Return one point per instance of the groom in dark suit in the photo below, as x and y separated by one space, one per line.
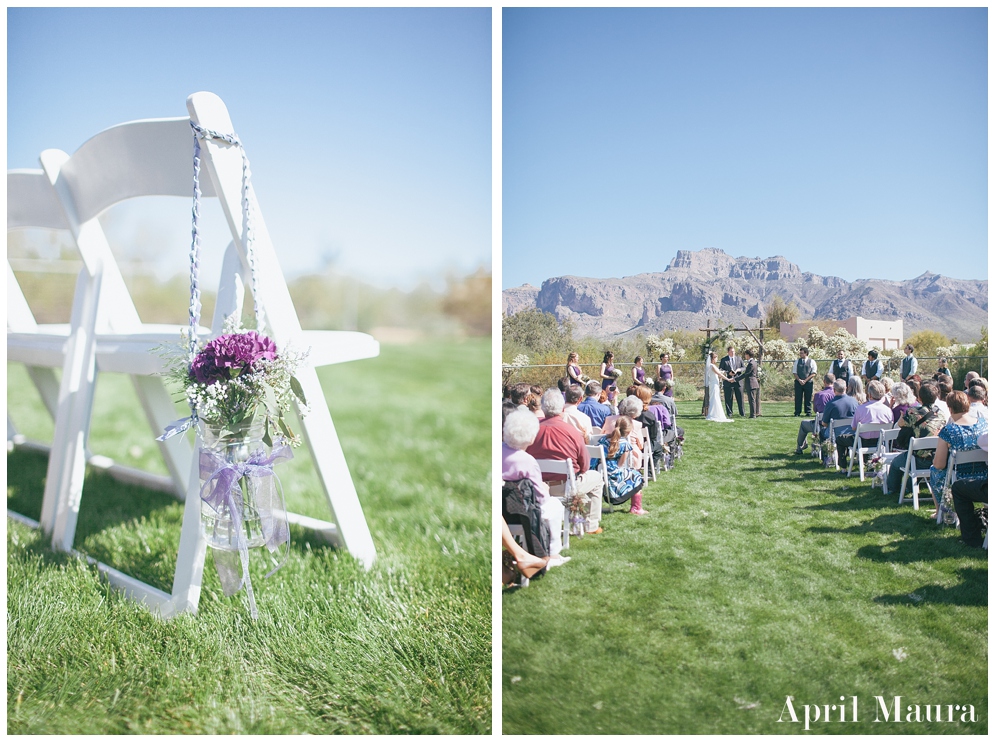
751 382
730 365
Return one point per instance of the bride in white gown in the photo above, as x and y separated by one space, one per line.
716 413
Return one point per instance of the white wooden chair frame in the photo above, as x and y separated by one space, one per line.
910 470
553 466
955 459
597 451
841 422
649 466
886 442
153 157
858 449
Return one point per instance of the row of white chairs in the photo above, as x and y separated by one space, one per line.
911 474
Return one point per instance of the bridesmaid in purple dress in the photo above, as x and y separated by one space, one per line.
666 371
638 372
608 378
573 369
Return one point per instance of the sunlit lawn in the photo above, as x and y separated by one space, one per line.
404 647
757 575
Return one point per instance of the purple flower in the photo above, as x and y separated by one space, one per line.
238 351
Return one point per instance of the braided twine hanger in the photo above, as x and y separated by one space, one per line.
199 133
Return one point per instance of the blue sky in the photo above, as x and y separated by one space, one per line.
851 141
368 130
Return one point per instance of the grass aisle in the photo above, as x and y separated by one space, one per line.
757 575
405 647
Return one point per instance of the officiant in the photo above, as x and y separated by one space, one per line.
731 386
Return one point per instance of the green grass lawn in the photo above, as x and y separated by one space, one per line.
757 575
404 647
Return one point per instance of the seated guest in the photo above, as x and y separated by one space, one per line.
978 398
522 562
653 419
873 411
888 384
841 406
944 388
968 378
559 440
902 398
632 408
855 389
571 398
983 383
562 384
595 410
624 480
519 392
520 430
921 421
966 492
914 384
819 402
533 405
960 434
662 386
943 369
506 409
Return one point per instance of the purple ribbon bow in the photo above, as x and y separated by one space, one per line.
221 489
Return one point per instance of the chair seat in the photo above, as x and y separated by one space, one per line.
329 347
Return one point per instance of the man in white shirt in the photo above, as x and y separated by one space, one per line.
976 395
910 364
805 370
572 397
873 369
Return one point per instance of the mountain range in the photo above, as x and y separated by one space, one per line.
710 284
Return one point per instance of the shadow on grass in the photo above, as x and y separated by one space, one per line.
972 591
906 524
130 528
920 548
865 500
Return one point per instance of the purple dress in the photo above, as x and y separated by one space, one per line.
608 384
640 375
667 372
575 376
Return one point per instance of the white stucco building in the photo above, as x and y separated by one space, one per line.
877 333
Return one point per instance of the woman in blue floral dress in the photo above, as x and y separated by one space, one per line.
960 434
624 482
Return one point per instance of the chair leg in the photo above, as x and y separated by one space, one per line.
333 472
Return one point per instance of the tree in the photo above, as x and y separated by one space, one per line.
535 331
469 301
778 311
926 342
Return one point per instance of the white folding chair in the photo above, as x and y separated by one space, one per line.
915 474
860 447
957 459
518 533
833 425
102 309
153 158
596 452
886 443
649 466
553 466
596 433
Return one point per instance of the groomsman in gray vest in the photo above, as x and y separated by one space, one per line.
805 370
751 382
731 364
910 364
